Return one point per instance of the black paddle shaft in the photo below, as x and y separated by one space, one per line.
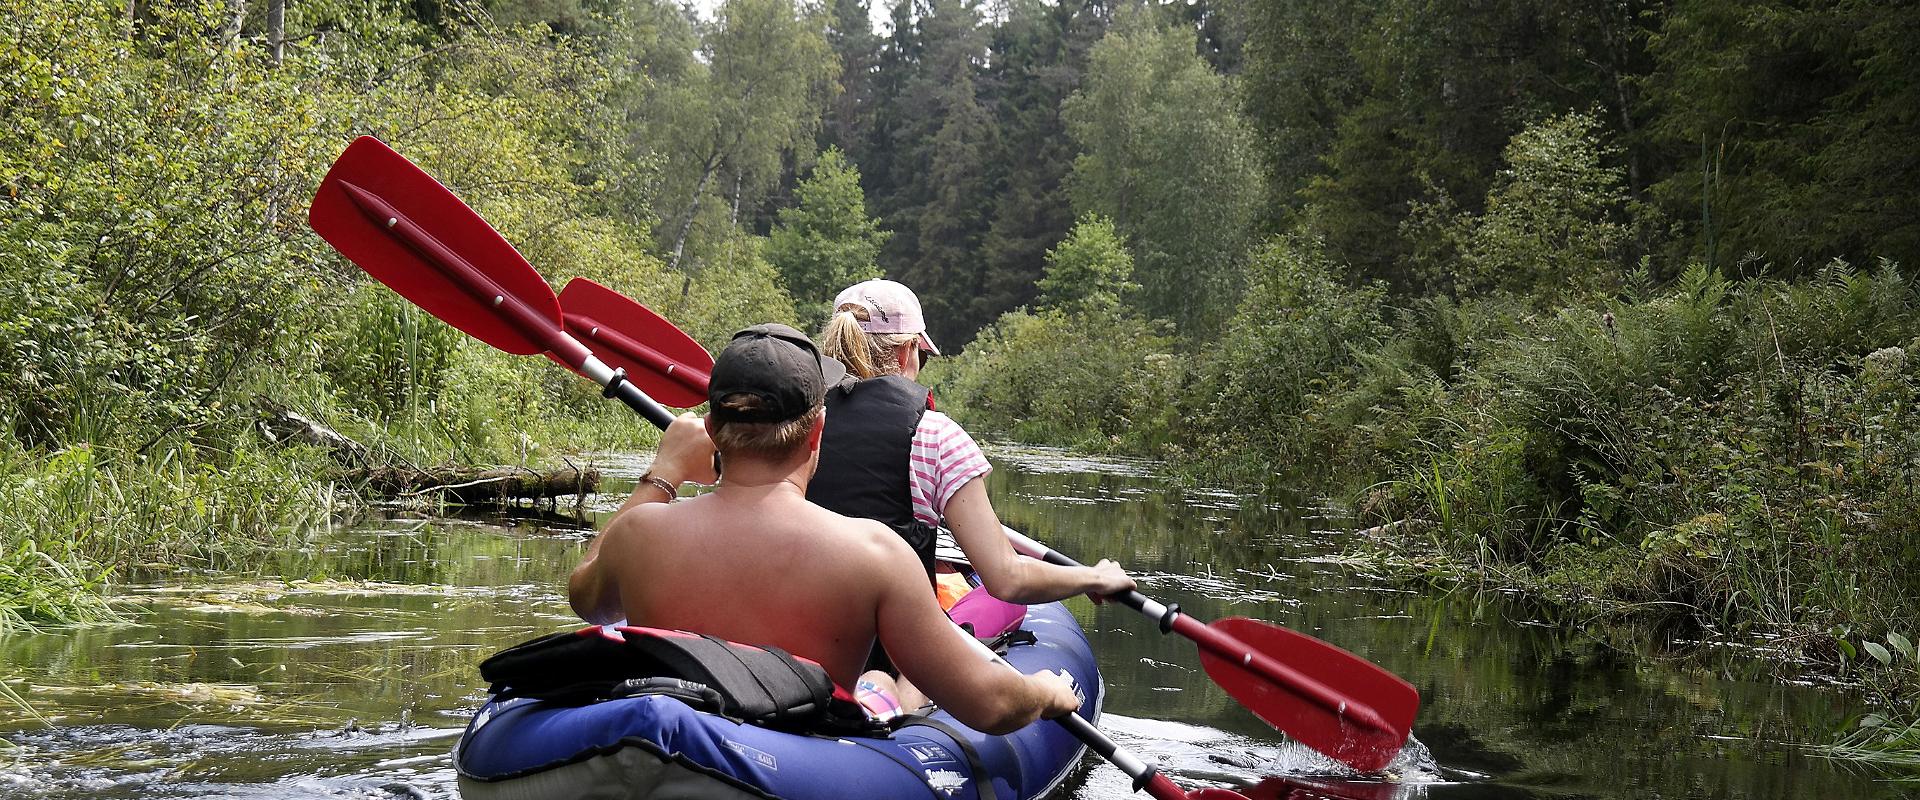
624 390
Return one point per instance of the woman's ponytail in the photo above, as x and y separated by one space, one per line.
866 355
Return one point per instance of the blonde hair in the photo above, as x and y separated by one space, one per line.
773 441
867 355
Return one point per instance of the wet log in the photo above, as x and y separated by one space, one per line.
455 484
476 484
1398 526
284 426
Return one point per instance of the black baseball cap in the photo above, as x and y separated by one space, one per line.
777 364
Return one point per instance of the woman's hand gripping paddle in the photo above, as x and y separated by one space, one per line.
1327 698
1333 701
405 229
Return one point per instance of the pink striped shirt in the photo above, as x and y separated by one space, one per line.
943 458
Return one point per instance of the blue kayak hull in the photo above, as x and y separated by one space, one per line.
657 747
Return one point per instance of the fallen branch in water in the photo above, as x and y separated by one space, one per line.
458 484
1397 526
477 484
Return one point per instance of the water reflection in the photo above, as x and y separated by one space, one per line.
344 668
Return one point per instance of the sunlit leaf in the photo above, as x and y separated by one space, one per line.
1901 645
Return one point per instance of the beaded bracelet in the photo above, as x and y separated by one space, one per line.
673 492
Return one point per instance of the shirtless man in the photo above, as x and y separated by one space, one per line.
754 562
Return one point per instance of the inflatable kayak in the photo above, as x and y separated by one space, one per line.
655 746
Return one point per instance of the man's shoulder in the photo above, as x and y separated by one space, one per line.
641 521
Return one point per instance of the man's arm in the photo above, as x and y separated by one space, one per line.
935 655
686 454
593 589
1013 577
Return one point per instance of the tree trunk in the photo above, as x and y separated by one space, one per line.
276 28
460 484
693 208
1617 42
736 200
236 24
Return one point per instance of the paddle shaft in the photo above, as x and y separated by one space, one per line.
506 305
1218 643
1145 776
653 359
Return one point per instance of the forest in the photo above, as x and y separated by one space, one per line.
1608 300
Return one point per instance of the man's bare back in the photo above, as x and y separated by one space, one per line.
755 564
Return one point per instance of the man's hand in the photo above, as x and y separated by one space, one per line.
1060 695
1108 579
686 452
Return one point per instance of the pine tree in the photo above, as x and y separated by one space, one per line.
849 117
1039 59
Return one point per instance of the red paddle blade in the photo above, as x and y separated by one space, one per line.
1352 679
660 358
406 230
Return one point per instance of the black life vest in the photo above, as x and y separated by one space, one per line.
764 686
864 457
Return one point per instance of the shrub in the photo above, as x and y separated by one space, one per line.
1094 380
1263 393
1760 479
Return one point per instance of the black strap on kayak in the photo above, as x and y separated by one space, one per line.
1011 639
982 779
762 685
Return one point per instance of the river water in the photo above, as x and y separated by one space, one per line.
346 668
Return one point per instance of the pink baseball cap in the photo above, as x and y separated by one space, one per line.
891 308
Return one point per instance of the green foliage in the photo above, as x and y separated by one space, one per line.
825 242
1089 272
1553 229
1785 127
940 180
161 274
72 519
1039 51
1889 737
1084 379
1763 478
740 289
1367 109
1167 157
386 357
1299 334
726 119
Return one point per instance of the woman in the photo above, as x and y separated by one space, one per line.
887 455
